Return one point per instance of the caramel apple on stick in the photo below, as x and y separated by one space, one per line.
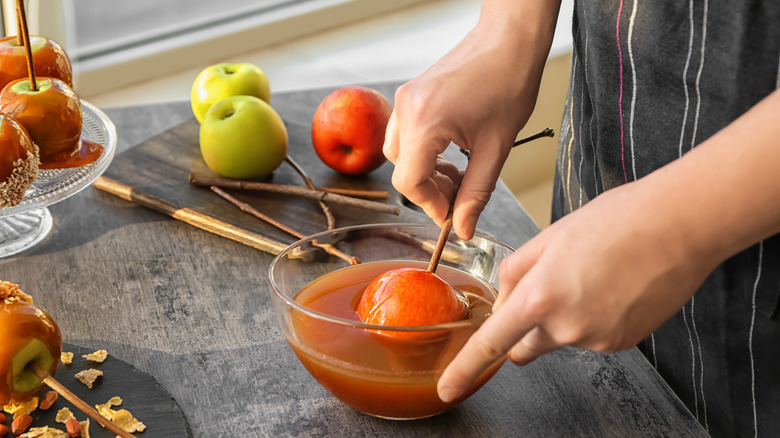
30 353
19 162
29 335
47 107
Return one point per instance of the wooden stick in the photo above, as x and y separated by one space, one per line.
26 38
325 208
284 188
19 32
446 228
355 193
52 383
445 233
546 132
330 249
295 191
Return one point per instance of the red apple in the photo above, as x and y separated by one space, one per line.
49 59
348 129
410 297
51 115
18 161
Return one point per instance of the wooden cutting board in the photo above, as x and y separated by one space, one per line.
156 174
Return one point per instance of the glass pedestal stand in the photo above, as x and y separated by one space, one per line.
26 224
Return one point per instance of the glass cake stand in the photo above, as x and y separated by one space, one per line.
24 225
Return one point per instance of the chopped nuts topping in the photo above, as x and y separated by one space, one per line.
10 292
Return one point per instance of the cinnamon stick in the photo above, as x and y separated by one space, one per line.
52 383
330 249
294 191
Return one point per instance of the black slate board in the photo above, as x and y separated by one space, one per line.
149 402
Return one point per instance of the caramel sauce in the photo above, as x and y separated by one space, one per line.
87 153
379 375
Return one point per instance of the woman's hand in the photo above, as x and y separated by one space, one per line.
478 96
602 278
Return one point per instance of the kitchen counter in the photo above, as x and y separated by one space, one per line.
192 309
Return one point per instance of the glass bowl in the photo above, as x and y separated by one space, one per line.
388 372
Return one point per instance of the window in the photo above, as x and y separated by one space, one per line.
103 26
116 42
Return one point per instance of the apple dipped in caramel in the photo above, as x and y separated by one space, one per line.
29 336
49 59
51 113
18 161
410 297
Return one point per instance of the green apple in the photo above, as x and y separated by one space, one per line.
242 137
35 352
219 81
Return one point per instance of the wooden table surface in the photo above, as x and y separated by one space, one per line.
193 310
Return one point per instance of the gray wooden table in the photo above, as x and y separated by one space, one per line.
193 310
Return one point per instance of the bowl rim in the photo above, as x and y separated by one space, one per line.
359 324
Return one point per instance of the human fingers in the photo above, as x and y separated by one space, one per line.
490 343
479 181
536 343
390 146
513 268
447 177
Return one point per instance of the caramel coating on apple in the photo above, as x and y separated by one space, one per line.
29 334
19 162
49 59
51 115
410 297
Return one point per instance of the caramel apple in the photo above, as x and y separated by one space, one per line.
18 161
29 336
410 297
49 59
51 114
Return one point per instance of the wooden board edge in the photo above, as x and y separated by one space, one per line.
189 216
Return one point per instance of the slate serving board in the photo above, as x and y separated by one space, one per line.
142 395
156 174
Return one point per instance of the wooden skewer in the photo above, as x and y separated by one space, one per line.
52 383
26 38
446 228
19 32
443 236
546 132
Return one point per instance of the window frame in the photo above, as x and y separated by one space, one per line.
125 67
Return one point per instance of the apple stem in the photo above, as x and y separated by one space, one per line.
26 38
52 383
